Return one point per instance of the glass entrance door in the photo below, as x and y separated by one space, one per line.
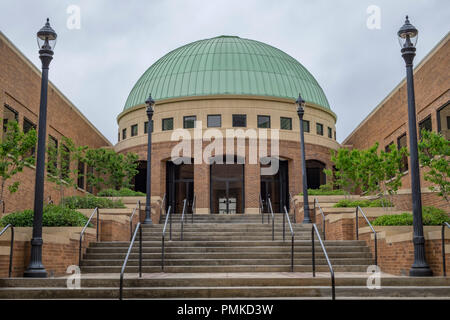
227 188
276 188
179 186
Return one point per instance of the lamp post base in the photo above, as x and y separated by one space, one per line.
35 272
420 272
148 219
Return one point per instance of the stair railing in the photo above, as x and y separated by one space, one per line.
168 218
317 205
96 211
273 218
162 207
11 250
314 231
286 214
138 209
358 209
193 207
125 261
291 200
445 224
182 218
261 208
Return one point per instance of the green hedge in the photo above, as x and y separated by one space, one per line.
123 192
431 216
318 192
91 202
53 216
346 203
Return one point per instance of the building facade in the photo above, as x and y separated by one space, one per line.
20 87
216 87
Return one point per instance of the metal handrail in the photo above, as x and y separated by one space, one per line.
286 213
261 208
323 217
138 208
273 218
164 235
11 250
315 230
293 206
193 207
84 229
445 224
138 227
182 218
358 209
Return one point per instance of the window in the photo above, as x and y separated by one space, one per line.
214 120
388 147
330 133
319 129
286 123
306 126
425 124
334 135
189 122
9 114
124 134
167 124
80 180
27 126
239 120
263 121
146 127
134 130
443 120
401 142
52 161
118 136
65 162
90 172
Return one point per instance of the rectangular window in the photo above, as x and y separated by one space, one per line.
90 172
388 147
9 114
134 130
319 129
52 161
401 142
118 136
146 127
214 121
306 126
124 134
443 120
65 163
239 120
81 174
330 133
286 123
189 122
167 124
263 121
335 135
27 126
425 124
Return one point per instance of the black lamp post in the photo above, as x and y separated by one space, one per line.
46 38
301 111
407 36
150 103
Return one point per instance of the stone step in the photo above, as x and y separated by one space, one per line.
242 237
222 292
228 262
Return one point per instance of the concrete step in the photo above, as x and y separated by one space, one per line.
242 237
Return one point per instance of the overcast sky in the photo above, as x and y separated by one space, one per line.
97 65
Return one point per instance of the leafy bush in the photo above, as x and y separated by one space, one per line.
53 216
91 202
431 216
321 192
346 203
123 192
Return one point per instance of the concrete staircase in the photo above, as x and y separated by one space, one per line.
226 256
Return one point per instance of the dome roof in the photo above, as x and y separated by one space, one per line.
226 65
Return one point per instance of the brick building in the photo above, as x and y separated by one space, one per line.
388 122
228 83
20 85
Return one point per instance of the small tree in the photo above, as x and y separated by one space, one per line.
392 172
15 152
434 154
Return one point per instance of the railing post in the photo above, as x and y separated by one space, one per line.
98 223
140 251
11 251
443 250
284 225
162 253
292 254
313 253
376 249
170 224
357 224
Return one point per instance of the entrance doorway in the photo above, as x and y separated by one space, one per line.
314 174
276 187
227 188
140 179
179 186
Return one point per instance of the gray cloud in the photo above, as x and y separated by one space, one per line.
96 66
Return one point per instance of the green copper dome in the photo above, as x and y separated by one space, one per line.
226 65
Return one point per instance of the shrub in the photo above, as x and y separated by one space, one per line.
123 192
53 216
318 192
91 202
431 216
346 203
